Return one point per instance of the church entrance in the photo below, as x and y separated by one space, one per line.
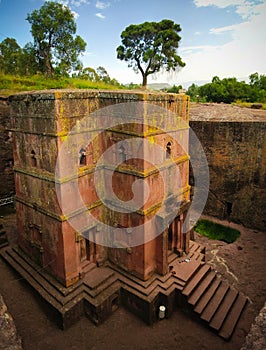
87 248
175 237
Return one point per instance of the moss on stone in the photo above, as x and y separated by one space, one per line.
213 230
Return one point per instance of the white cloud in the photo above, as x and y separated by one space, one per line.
197 33
102 5
100 15
186 49
240 57
75 3
244 8
250 9
75 14
78 3
219 3
222 30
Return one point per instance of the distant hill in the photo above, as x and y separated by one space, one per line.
185 85
159 86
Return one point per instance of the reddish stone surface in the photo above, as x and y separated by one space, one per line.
41 124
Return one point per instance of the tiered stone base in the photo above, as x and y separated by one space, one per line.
192 285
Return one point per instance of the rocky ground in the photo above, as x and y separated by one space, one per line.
9 339
242 263
256 339
225 112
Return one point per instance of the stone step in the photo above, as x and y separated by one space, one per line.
31 281
196 247
193 246
88 267
196 279
103 291
96 277
202 303
215 302
186 270
35 278
224 308
233 316
171 257
30 265
201 288
199 256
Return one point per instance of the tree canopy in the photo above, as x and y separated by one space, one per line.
53 28
10 52
230 90
150 47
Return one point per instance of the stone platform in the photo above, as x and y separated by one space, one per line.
192 286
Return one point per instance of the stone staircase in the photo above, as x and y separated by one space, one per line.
213 301
194 286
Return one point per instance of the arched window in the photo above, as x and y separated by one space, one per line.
168 150
82 157
122 153
33 160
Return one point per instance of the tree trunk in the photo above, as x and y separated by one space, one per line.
144 81
48 65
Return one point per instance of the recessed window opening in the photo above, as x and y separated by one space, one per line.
228 209
168 150
82 157
122 153
33 159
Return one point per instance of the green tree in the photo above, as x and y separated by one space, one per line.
10 53
103 75
175 89
193 92
28 60
88 73
258 81
150 47
53 28
229 90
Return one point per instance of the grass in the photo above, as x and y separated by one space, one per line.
216 231
248 104
11 84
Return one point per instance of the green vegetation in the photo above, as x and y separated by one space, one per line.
52 58
11 84
175 89
248 104
151 46
55 45
229 90
213 230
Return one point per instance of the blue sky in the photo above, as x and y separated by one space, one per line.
219 37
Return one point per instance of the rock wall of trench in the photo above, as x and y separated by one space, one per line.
235 151
7 185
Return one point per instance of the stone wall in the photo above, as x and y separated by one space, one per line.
9 339
235 146
7 186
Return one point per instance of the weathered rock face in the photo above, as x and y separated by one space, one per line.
9 339
235 148
7 187
256 339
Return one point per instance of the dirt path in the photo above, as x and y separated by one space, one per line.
242 263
